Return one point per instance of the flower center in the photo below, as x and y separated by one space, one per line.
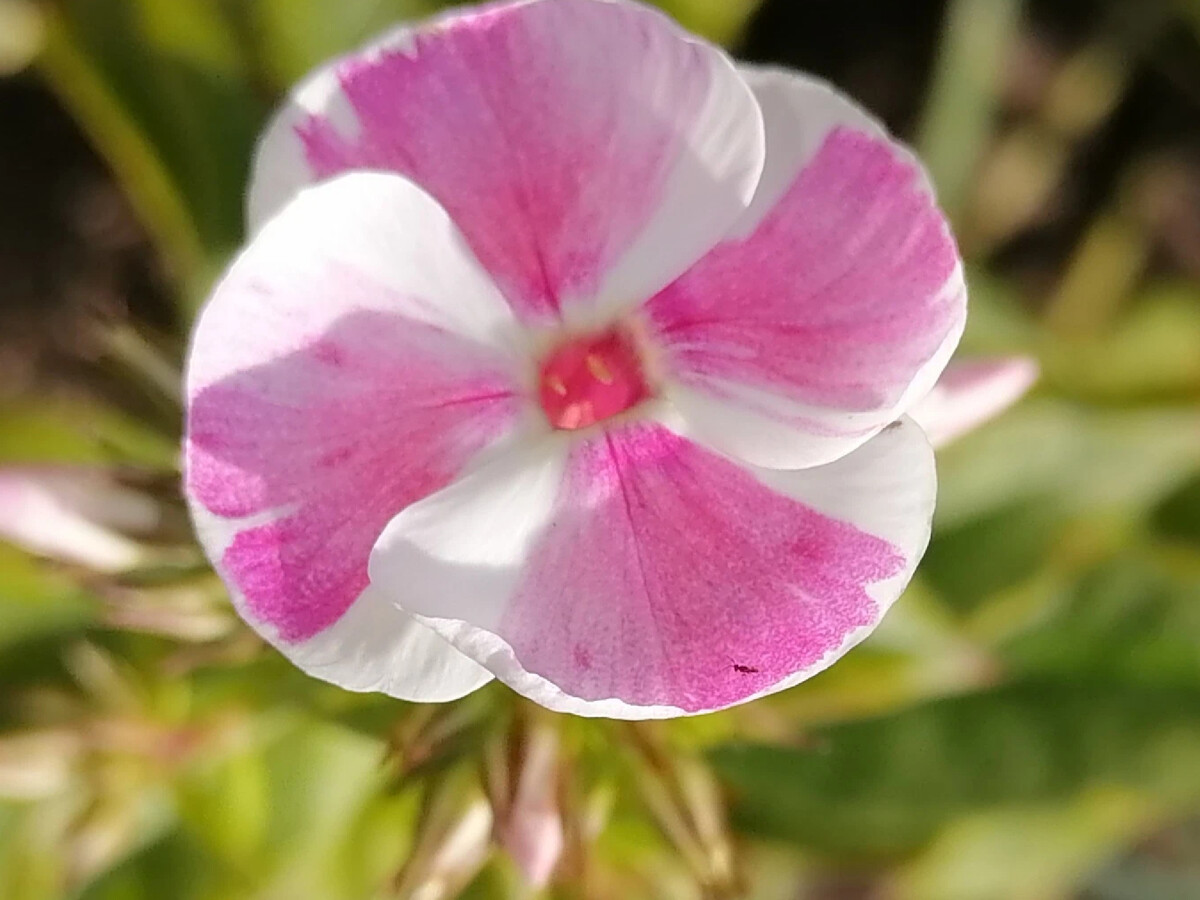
591 378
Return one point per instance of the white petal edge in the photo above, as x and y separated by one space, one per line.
708 192
419 560
279 171
864 475
728 147
396 235
373 647
749 424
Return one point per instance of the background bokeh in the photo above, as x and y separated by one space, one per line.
1025 725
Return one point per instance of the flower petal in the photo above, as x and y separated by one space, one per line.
634 574
970 393
587 148
351 362
372 646
835 303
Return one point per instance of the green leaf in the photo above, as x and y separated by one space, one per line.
1177 517
969 563
199 110
174 867
1147 353
1089 461
378 842
319 780
225 805
1058 845
29 866
958 120
60 430
497 881
1128 618
887 785
37 602
721 21
297 35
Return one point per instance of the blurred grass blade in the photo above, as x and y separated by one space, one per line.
73 430
21 33
720 21
958 117
134 158
297 35
452 843
36 602
1108 264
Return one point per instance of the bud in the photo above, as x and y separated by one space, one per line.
73 515
972 392
453 840
530 826
35 765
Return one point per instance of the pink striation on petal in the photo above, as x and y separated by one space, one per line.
833 303
671 576
522 122
337 438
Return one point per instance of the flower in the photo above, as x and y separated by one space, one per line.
567 352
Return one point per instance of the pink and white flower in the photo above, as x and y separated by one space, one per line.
570 353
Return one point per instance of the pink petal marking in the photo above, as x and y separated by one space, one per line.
524 123
671 576
336 438
836 300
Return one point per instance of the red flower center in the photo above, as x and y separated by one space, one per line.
592 378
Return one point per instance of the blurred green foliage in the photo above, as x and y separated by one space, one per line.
885 786
1027 717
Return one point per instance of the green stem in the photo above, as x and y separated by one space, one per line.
149 186
958 118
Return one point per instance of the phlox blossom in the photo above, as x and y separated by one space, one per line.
567 352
